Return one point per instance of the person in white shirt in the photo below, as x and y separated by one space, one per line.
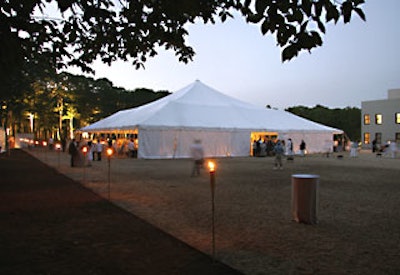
131 148
289 149
99 149
197 153
353 149
393 149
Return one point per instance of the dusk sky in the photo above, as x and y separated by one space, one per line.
358 62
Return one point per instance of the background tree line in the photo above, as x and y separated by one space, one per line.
347 119
56 106
59 105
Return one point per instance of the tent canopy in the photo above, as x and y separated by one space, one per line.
198 107
201 107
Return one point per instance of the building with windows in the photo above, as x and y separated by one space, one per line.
381 120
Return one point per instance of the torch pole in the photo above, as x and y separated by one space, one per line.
109 152
58 148
212 185
109 177
84 150
84 167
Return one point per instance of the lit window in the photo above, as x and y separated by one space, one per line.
367 138
367 120
378 118
397 118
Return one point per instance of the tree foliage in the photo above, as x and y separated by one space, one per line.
63 104
34 44
347 119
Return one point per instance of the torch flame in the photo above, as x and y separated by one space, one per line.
211 166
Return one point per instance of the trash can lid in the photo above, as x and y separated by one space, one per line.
305 176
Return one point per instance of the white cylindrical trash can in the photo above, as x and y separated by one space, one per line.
305 198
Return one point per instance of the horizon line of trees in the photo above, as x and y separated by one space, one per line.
347 119
55 107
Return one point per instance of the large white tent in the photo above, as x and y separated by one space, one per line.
167 127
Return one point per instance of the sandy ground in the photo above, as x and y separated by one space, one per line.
359 203
51 224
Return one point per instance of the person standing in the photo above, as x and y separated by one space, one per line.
51 143
270 147
99 149
393 149
73 150
289 149
131 148
254 146
93 150
353 149
258 147
302 148
197 153
279 150
374 149
90 152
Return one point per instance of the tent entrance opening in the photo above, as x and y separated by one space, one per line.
263 143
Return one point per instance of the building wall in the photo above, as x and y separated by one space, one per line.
394 93
389 126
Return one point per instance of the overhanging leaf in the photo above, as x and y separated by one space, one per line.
289 52
265 27
360 13
346 11
321 26
317 38
332 13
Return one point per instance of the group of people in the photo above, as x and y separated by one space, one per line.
95 148
267 147
78 158
263 147
124 147
390 148
280 149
